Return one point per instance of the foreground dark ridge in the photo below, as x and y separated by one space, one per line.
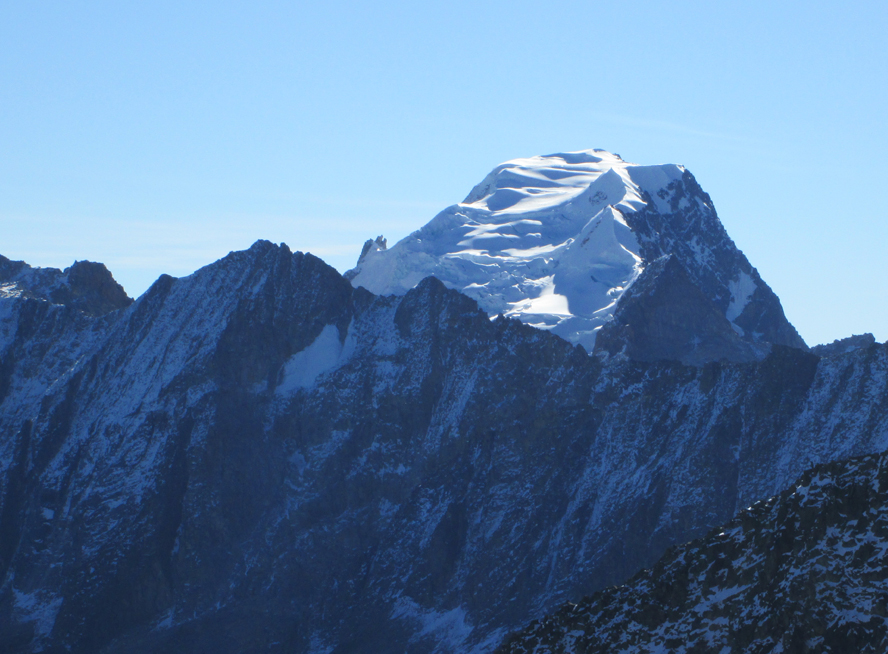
804 571
259 456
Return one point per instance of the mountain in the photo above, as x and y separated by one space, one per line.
803 571
558 241
261 456
86 286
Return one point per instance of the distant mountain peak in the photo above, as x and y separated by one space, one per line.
557 240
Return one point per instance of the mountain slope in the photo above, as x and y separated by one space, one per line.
556 241
804 571
260 455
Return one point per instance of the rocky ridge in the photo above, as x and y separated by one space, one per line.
804 571
844 345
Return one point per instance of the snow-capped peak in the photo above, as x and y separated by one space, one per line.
555 240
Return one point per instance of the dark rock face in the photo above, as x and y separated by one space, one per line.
90 288
801 572
664 316
259 457
692 233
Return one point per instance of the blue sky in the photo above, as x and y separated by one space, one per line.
156 137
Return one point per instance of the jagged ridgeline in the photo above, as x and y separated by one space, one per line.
267 456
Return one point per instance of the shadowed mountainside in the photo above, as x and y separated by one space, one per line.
259 456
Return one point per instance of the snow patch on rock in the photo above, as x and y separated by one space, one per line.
325 354
39 608
741 290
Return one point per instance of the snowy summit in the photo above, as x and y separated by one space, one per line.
556 240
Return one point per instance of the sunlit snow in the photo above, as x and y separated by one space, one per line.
541 239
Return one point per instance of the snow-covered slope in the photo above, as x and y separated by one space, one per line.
556 240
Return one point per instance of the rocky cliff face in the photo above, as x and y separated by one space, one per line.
803 571
664 315
260 456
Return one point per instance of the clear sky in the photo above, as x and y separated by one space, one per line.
158 136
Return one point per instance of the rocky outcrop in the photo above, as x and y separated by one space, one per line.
260 456
844 345
86 286
370 245
803 571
